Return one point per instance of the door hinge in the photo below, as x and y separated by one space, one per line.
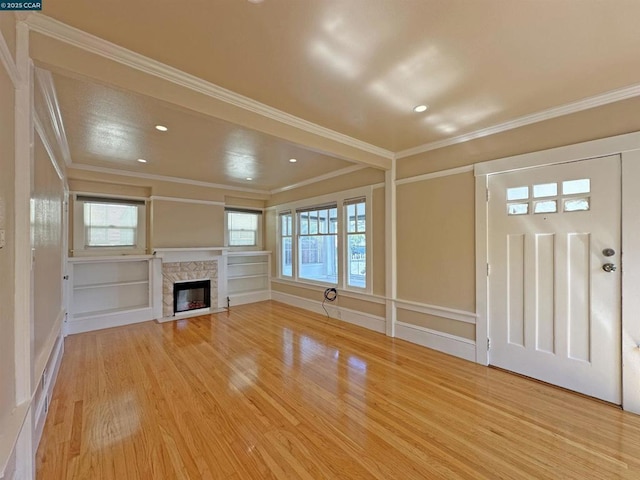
488 269
488 195
488 343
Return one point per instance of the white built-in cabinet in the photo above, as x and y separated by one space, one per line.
248 275
108 292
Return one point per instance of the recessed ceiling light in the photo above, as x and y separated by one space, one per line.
249 178
142 160
420 108
161 128
292 160
255 2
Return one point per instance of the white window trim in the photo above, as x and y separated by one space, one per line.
259 236
79 247
338 198
294 252
368 211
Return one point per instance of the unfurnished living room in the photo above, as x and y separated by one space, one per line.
320 239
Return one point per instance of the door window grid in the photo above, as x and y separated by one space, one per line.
572 199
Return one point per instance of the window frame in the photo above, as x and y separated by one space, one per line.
299 236
280 243
259 213
79 230
367 227
337 199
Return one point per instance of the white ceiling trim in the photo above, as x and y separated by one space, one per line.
53 28
48 89
320 178
441 173
164 178
567 109
9 64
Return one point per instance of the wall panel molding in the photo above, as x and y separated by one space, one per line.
442 342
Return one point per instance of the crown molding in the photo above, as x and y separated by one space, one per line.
44 79
320 178
9 63
606 98
55 29
165 178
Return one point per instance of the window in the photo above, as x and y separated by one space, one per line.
574 198
356 255
286 244
327 243
318 244
113 224
243 227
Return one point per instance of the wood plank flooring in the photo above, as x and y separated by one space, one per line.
268 391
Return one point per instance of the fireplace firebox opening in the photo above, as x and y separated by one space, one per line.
191 296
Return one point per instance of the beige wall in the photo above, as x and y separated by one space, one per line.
47 241
311 292
378 250
7 159
104 188
172 223
436 242
360 178
8 30
606 121
234 201
181 224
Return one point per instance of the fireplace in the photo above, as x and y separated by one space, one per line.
191 295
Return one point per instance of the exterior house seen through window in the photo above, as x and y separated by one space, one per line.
286 253
243 227
356 242
318 244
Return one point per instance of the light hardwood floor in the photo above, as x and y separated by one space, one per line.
268 391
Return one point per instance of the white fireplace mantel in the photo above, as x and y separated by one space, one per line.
189 254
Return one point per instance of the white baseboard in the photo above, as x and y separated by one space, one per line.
47 382
248 297
440 341
361 319
99 322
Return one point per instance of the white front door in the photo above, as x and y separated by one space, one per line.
554 296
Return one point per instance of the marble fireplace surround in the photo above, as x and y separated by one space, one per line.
175 265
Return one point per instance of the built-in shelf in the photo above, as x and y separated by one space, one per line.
248 276
111 284
240 277
109 291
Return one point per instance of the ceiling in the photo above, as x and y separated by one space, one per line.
355 67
